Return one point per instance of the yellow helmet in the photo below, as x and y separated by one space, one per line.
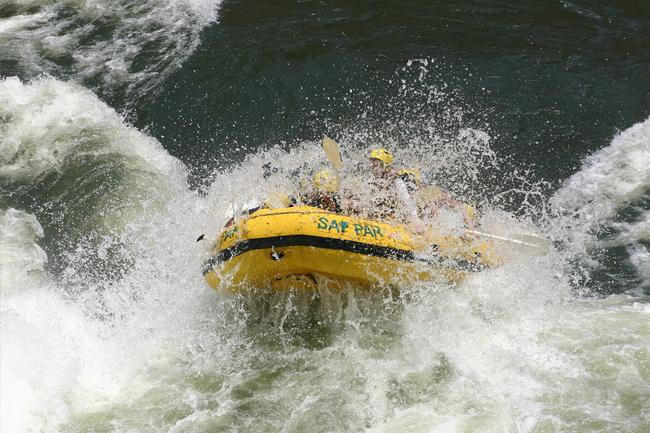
382 155
411 175
324 180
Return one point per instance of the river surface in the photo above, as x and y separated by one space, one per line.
129 128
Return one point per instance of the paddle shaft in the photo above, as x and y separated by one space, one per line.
505 239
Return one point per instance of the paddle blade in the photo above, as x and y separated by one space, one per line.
333 153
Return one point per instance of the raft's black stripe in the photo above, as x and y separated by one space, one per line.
336 244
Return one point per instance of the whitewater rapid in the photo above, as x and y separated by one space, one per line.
112 47
108 325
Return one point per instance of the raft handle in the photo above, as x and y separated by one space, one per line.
276 255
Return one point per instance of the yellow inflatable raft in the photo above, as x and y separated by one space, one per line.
306 247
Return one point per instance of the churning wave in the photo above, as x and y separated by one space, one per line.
88 203
112 46
607 203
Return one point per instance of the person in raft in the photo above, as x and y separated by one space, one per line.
384 201
381 164
324 192
429 199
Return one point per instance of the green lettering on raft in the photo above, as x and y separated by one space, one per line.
377 231
358 229
368 231
339 226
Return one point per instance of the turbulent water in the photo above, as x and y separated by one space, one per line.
126 130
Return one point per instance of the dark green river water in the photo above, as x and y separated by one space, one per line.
554 80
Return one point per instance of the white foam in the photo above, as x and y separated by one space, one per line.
93 337
22 22
636 231
22 261
609 179
613 179
43 31
49 120
68 350
640 258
